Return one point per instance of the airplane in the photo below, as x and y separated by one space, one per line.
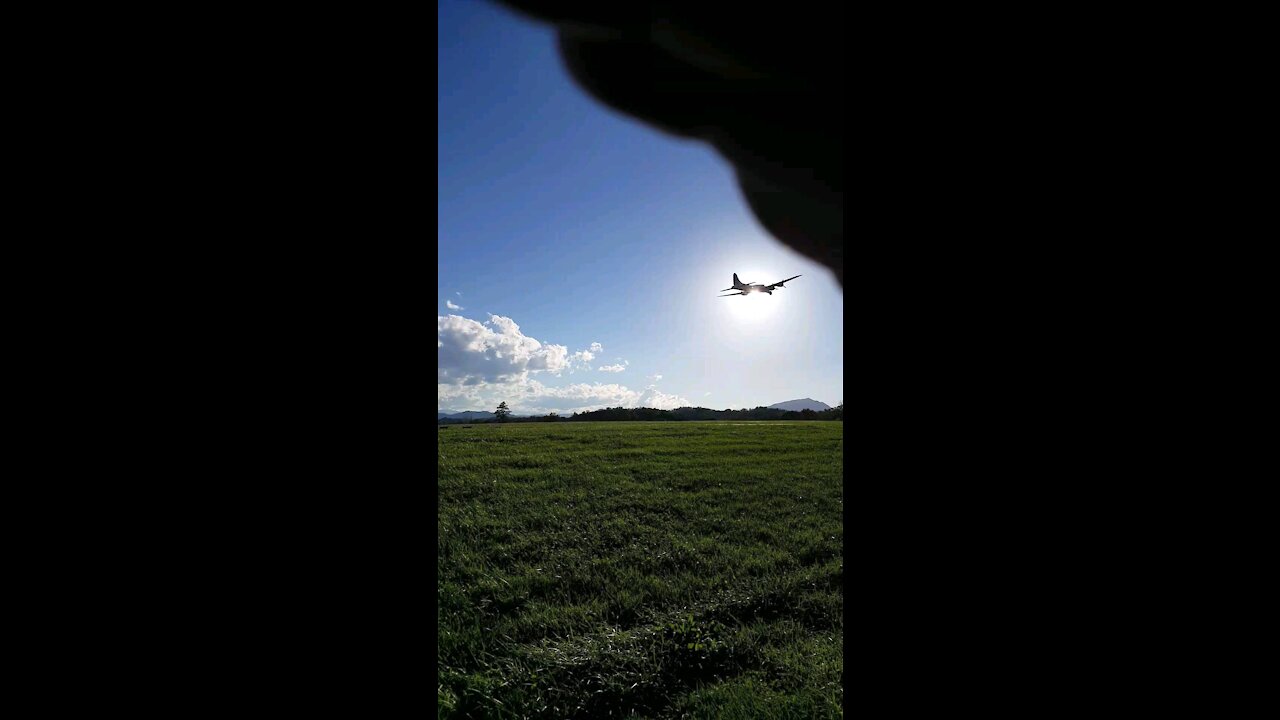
746 288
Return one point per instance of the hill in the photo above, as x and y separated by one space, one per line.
466 415
802 404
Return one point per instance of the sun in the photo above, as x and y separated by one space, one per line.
751 308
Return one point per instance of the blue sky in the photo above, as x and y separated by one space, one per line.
581 251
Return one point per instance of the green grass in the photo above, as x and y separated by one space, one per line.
615 569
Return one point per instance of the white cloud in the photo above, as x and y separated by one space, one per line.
471 352
706 394
654 398
615 368
655 378
600 395
449 304
483 364
581 360
530 397
459 294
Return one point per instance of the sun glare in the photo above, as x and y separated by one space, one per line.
751 308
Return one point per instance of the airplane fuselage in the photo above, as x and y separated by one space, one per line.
752 287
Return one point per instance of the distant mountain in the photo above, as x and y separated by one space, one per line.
803 404
466 415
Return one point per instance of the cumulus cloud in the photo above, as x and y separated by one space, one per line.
483 364
471 352
581 360
449 304
655 378
530 396
652 397
615 368
600 395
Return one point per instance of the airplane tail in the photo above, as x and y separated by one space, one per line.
736 281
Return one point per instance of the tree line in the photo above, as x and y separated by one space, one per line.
503 414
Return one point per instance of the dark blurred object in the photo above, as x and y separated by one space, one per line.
764 87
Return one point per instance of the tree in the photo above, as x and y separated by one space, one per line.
503 411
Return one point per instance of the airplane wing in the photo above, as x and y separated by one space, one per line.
731 294
779 283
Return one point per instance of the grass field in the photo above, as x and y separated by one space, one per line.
660 570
